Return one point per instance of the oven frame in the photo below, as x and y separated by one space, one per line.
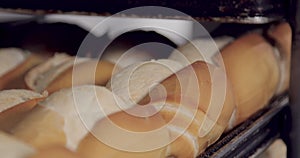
280 120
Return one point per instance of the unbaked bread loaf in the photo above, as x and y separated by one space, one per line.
133 82
65 117
202 49
11 147
252 67
63 71
14 63
15 104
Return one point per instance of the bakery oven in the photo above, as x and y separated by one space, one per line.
64 26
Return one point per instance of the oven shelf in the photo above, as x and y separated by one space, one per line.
246 11
280 120
255 133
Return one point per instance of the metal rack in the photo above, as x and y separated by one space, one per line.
294 136
254 135
280 120
246 11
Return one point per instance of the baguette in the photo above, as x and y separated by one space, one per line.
133 83
62 71
189 126
14 106
196 112
202 49
252 67
14 64
11 58
66 116
282 34
41 128
123 135
123 57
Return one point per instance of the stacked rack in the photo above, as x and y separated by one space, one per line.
279 120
